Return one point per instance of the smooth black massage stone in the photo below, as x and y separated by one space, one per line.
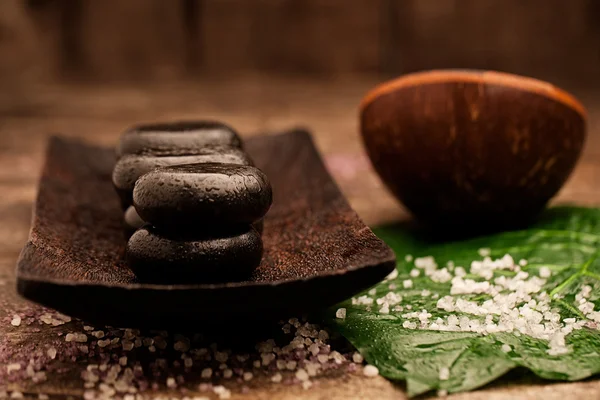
202 195
164 138
168 259
130 167
132 221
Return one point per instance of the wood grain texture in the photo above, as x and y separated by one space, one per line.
150 40
99 114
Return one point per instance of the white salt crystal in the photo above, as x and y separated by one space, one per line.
51 352
16 320
291 365
545 272
206 373
392 275
302 375
370 371
357 357
444 374
171 383
484 251
13 367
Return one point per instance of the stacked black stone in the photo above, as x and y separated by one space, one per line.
193 203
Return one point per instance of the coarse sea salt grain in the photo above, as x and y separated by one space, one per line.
76 337
357 358
51 352
13 367
484 251
16 320
291 365
392 275
545 272
444 374
222 392
302 375
171 383
370 371
206 373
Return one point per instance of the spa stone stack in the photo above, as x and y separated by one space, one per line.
193 203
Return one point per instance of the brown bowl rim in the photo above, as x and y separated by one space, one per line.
476 76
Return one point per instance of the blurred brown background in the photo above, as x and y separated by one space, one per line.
123 40
92 67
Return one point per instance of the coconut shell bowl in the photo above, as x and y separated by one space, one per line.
472 149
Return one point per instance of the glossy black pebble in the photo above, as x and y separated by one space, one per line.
130 167
202 196
183 136
157 258
132 221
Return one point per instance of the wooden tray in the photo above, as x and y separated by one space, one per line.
317 250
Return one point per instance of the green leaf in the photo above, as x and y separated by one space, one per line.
564 243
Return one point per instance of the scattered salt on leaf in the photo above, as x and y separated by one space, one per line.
538 292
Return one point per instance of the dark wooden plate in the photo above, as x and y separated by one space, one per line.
317 250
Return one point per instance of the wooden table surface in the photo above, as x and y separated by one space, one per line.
99 114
